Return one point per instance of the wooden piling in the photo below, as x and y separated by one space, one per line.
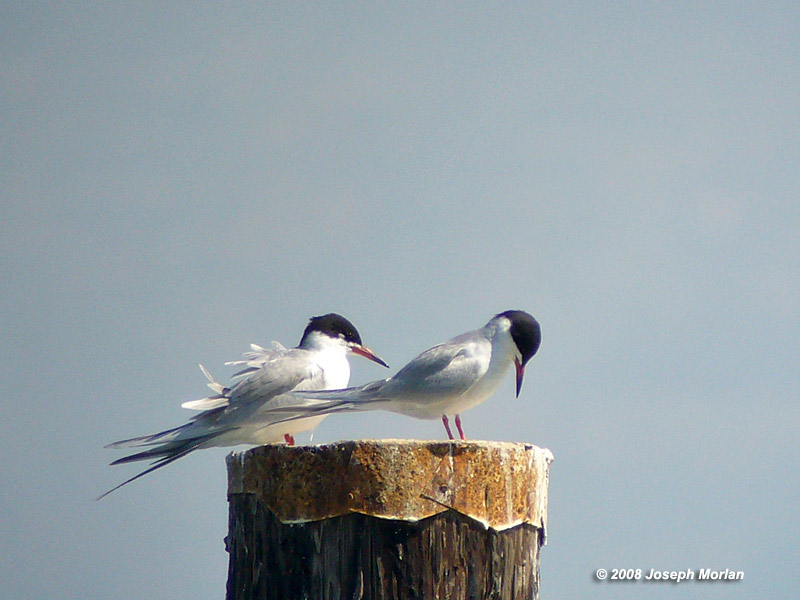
387 520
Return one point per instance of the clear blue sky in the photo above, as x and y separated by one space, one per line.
179 181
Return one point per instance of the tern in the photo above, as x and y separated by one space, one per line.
444 380
240 414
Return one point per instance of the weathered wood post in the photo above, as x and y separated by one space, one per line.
389 519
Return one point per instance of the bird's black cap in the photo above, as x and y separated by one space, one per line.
525 332
332 325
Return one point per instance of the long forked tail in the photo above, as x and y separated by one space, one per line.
164 454
328 402
153 439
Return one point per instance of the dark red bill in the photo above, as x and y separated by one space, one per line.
520 374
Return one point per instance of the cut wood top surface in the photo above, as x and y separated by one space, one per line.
499 484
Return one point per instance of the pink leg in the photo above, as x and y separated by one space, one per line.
458 426
447 427
289 439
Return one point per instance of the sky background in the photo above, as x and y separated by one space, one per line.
180 181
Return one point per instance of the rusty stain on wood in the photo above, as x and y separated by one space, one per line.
498 484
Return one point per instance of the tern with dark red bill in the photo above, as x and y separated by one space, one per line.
239 414
444 380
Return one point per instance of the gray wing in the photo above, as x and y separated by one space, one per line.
439 374
276 374
267 375
449 369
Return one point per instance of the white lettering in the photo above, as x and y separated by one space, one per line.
676 576
717 575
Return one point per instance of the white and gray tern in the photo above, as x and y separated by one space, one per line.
444 380
240 414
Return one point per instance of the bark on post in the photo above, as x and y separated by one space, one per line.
389 519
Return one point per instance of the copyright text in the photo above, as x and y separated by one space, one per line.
668 576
